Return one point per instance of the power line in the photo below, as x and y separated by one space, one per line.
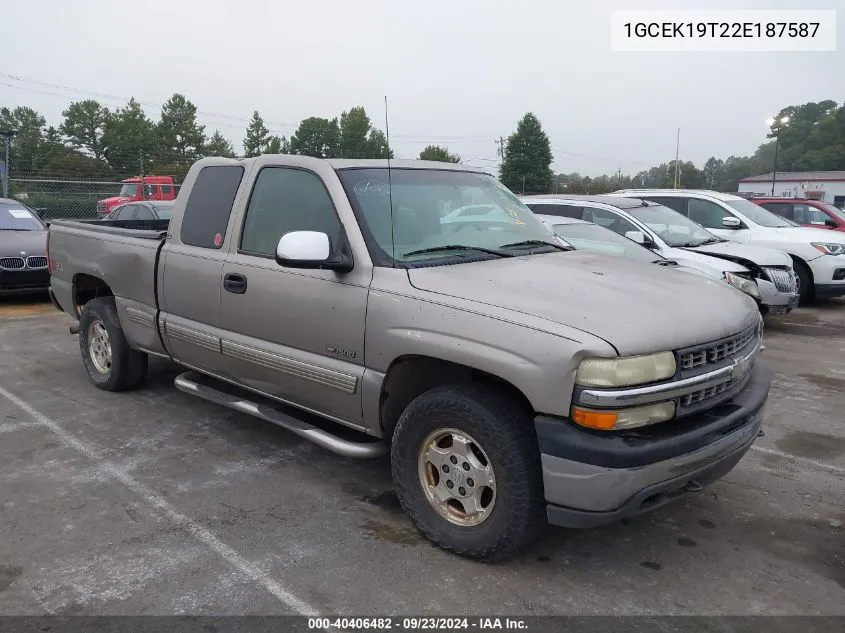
231 117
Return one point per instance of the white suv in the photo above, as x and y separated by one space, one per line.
819 256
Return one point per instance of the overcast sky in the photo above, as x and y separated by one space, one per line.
458 73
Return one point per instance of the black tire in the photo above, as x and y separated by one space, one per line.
805 282
128 367
504 430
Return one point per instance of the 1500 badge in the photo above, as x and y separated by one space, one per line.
339 351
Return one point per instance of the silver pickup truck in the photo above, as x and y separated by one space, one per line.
513 381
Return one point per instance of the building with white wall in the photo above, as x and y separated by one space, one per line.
827 186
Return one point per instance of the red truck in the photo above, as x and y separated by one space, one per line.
137 189
806 212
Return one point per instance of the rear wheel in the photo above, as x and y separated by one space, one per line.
804 280
466 465
111 364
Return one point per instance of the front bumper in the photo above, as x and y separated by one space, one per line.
828 275
773 300
24 281
592 478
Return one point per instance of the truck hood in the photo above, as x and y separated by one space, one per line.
30 242
734 251
635 306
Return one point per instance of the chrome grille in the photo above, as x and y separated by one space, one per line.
784 280
11 263
717 352
36 262
703 394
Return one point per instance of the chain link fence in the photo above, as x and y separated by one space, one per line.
68 199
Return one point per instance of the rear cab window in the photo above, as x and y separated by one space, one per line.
209 206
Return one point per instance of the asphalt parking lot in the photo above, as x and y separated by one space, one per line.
152 502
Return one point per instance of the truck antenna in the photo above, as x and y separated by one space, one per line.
389 183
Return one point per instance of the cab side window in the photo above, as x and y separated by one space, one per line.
805 214
284 200
707 214
144 213
126 212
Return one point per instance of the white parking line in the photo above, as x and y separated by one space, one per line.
800 460
156 501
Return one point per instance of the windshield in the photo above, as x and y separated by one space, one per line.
458 213
672 227
759 215
15 217
591 237
834 211
128 191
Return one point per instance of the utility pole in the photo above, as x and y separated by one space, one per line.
7 135
677 166
501 144
523 185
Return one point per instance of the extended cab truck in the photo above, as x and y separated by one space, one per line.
513 380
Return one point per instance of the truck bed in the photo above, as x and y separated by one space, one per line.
101 257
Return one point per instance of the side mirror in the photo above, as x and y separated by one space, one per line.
831 223
309 249
731 222
636 236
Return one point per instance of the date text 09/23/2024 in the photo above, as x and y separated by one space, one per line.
418 623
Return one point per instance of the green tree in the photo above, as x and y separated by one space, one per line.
528 158
181 138
219 145
278 145
713 170
316 137
377 145
354 130
129 139
440 154
358 137
257 137
28 141
83 126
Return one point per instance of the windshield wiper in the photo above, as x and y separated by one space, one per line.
712 240
5 229
456 247
665 262
690 244
559 247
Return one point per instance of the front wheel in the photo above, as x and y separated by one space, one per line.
804 281
466 466
111 364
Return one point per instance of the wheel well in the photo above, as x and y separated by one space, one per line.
87 287
410 376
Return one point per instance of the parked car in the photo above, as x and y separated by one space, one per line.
137 189
580 234
23 249
817 257
149 210
514 381
763 273
811 213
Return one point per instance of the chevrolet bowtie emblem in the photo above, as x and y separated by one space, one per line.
740 368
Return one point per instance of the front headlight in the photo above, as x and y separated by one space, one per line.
830 249
748 286
623 372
